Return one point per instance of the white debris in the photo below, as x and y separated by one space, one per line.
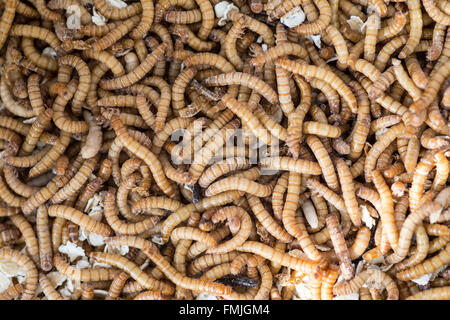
316 40
29 120
310 213
94 208
366 217
72 250
82 234
121 250
65 293
221 9
11 269
260 39
157 238
264 47
124 52
117 3
5 282
56 278
95 204
423 280
359 267
351 296
83 263
334 58
97 18
356 23
293 18
49 51
302 291
95 240
71 290
206 296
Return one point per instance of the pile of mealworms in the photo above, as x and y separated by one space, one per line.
205 149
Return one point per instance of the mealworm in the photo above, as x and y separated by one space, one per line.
47 288
367 276
80 219
322 74
427 266
177 278
418 107
324 161
133 270
320 23
238 183
290 164
441 293
266 220
43 233
113 33
31 281
90 274
240 237
407 230
238 78
143 153
370 40
340 246
279 257
122 227
11 292
76 182
138 73
7 18
279 51
209 149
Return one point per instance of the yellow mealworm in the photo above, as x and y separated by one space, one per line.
340 247
348 191
47 288
143 153
167 269
22 260
136 74
320 23
43 233
324 161
290 164
441 293
323 74
90 274
427 266
79 218
407 230
29 235
7 18
266 220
